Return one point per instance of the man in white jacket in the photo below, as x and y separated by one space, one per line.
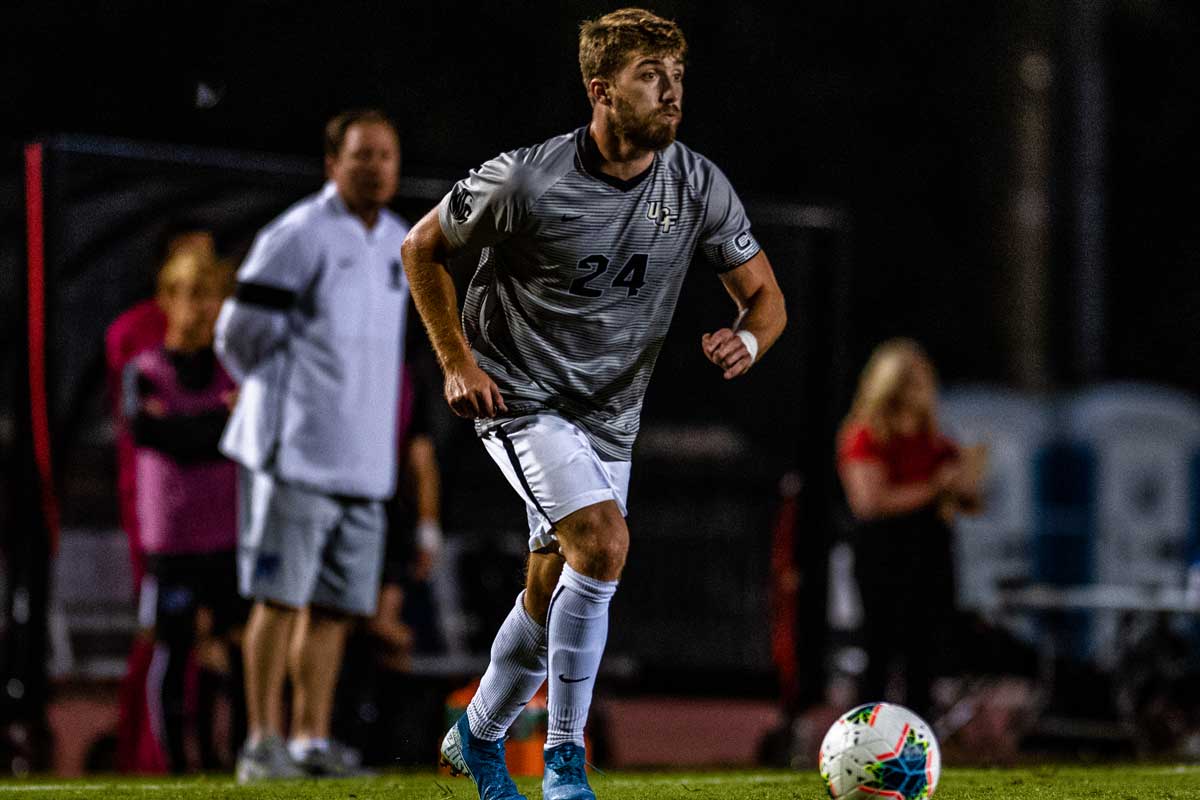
314 334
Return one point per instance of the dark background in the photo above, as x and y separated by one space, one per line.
899 112
905 117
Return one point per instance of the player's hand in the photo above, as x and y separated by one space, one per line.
471 393
727 350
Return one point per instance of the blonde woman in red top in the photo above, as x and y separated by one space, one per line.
904 481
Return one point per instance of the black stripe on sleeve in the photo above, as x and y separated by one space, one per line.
516 462
264 296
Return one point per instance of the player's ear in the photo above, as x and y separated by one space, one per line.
598 92
329 163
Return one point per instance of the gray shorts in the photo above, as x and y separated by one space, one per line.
299 547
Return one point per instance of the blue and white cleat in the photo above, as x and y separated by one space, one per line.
479 760
565 777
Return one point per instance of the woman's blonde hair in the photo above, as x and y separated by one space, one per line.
879 387
198 265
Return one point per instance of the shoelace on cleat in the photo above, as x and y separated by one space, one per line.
569 768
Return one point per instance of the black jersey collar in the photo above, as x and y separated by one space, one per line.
588 154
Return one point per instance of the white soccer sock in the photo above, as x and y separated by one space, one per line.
577 627
517 669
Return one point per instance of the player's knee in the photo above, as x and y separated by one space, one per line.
608 556
597 541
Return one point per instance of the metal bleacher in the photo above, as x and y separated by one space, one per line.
1142 439
92 618
1092 505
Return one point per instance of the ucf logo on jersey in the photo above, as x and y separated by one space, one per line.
660 215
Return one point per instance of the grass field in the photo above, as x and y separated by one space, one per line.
1049 782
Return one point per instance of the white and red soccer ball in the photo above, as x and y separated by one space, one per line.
880 751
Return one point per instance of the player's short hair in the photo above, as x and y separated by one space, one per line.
606 43
336 128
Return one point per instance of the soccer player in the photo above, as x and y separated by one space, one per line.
315 335
587 239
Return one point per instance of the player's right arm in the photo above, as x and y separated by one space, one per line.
481 210
254 323
425 253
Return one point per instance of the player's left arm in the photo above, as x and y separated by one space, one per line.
761 314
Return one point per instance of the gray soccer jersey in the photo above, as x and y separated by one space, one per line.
580 274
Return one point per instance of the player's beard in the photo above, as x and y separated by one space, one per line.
650 131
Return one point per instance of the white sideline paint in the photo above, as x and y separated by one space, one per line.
96 787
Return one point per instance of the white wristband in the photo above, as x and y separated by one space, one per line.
751 344
429 535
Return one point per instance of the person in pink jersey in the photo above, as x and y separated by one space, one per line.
177 400
138 328
141 327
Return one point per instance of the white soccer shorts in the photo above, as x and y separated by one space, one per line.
550 462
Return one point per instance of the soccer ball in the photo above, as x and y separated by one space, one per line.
880 750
